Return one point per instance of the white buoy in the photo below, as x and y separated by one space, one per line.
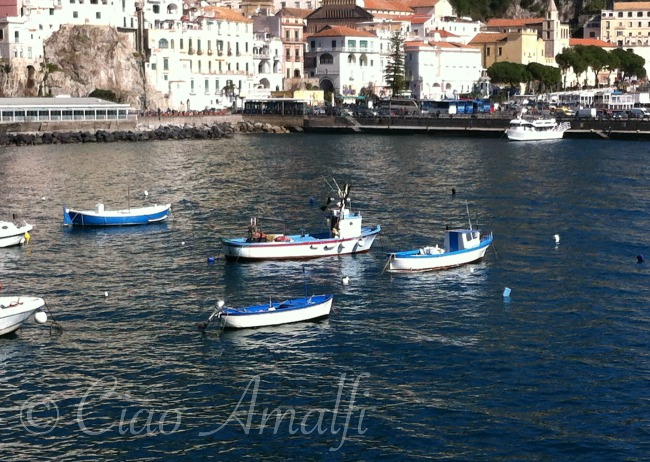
557 238
506 292
43 198
105 294
183 243
40 317
146 193
345 280
220 304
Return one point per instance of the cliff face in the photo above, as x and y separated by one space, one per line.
80 59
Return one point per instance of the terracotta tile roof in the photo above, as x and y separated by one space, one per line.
514 22
589 42
448 45
342 31
442 33
631 6
385 5
228 14
295 12
394 17
420 19
420 3
486 37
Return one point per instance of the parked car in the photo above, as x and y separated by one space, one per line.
638 113
619 115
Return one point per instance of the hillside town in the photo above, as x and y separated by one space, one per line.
201 55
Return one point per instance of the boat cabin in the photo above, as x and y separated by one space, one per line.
461 239
344 225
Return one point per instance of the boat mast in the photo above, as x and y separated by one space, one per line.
469 218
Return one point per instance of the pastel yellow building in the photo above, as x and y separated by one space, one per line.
523 47
626 24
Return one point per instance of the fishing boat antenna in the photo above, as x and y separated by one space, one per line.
469 218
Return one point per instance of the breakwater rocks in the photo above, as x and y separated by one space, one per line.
141 133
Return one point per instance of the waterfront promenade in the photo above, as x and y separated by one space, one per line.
479 126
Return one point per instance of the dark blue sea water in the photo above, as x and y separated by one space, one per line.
410 367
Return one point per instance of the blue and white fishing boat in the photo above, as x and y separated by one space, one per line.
272 313
461 246
344 235
125 217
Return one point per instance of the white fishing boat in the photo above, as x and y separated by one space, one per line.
535 129
461 246
344 235
12 234
14 311
272 313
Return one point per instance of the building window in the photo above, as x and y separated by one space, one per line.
487 52
288 54
500 51
296 35
326 59
75 14
333 44
165 64
162 43
156 9
363 44
98 15
287 34
352 43
312 44
153 66
51 11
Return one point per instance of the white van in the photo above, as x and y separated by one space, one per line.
586 113
638 113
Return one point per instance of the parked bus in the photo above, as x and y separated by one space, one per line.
276 106
401 106
455 106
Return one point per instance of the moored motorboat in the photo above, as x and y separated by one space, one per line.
344 235
535 129
14 311
12 234
125 217
272 313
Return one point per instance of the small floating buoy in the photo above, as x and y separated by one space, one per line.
345 281
183 243
220 304
146 193
556 237
640 259
312 200
453 191
210 260
506 292
40 317
43 198
105 294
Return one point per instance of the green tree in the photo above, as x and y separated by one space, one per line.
595 57
631 64
395 70
508 73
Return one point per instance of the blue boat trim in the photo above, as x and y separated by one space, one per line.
416 252
285 305
88 218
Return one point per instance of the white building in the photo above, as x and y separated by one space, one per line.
345 60
267 59
439 70
202 60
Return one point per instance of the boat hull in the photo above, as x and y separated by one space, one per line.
517 135
14 311
290 311
412 261
11 235
298 247
126 217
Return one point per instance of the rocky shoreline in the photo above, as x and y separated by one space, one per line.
141 133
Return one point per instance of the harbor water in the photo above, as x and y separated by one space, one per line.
434 366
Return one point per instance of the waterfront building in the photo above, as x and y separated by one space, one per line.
62 109
626 24
519 46
438 69
203 59
293 24
344 60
